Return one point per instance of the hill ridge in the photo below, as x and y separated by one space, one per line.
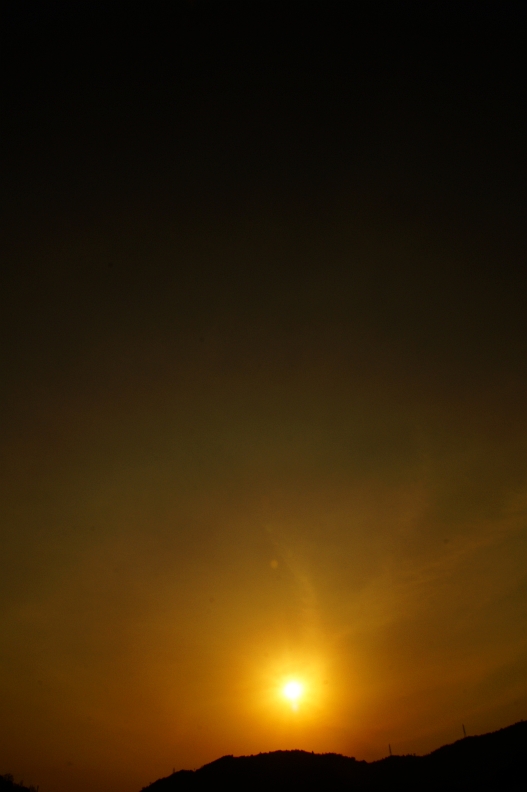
491 761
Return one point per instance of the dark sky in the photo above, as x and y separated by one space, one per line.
263 382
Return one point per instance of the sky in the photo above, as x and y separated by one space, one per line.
263 382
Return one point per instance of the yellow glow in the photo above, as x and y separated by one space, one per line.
293 691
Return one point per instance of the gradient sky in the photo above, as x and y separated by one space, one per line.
263 383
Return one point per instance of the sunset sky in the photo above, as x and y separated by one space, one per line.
263 382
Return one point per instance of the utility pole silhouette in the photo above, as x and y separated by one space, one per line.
390 749
464 732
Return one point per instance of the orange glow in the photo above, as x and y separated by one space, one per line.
263 423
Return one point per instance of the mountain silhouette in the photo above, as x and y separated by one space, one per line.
494 762
8 784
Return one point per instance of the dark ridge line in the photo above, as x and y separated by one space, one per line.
494 761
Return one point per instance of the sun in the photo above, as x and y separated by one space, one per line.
293 691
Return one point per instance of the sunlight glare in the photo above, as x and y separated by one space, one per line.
293 691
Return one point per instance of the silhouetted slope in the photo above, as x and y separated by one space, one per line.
495 761
7 784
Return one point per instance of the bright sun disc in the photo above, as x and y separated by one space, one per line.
293 691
